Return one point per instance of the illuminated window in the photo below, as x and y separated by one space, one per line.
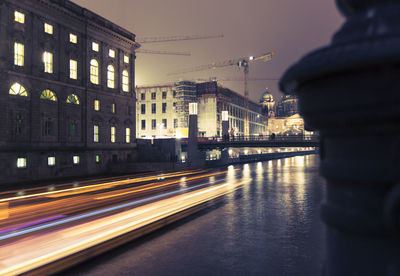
19 17
73 38
73 69
48 28
48 95
110 76
97 105
95 46
125 81
76 159
18 90
48 62
21 163
51 161
98 159
126 59
94 71
127 135
113 108
19 53
96 133
111 53
73 99
113 131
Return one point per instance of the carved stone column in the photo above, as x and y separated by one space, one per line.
350 92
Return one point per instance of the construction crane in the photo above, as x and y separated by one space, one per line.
240 62
169 39
176 38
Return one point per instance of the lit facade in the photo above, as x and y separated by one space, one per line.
66 92
212 99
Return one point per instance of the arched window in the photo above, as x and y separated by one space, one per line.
48 95
94 71
110 76
125 81
73 99
18 89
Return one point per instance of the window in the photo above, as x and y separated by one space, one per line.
127 135
95 46
73 69
153 108
19 53
175 123
164 123
48 62
174 93
48 95
75 159
48 128
48 28
153 124
73 99
143 109
96 133
143 124
73 38
18 90
143 96
110 76
97 158
126 59
19 17
164 107
97 105
153 95
111 53
164 95
113 130
128 110
72 129
21 163
51 161
94 71
18 124
113 108
125 81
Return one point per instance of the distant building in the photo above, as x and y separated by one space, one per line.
293 125
287 106
212 100
67 98
268 103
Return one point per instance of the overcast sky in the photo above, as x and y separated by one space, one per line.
291 28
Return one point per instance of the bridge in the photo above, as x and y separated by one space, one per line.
207 143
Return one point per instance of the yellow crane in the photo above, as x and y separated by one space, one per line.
240 62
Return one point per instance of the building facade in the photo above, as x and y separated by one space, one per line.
67 98
212 99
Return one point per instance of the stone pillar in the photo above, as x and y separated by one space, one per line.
350 92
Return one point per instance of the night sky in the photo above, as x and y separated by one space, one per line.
291 28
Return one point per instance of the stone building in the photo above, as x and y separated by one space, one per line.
67 99
162 110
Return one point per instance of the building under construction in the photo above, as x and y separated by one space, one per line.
170 119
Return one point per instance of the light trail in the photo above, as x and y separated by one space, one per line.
28 230
94 187
54 245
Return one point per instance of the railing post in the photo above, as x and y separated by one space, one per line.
350 92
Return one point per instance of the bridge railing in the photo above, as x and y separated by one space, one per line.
278 138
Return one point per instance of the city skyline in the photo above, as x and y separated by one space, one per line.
289 29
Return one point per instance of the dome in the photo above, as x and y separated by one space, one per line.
267 97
